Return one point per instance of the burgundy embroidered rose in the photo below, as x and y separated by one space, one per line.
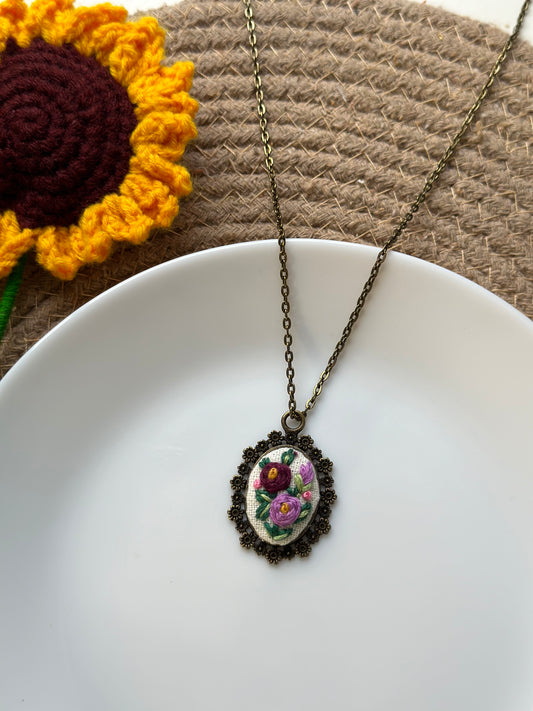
284 510
275 476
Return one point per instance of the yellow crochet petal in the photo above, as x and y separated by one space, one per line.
117 217
165 132
14 11
179 102
138 50
43 14
14 242
78 26
97 241
164 90
125 220
166 80
70 25
152 196
13 14
60 250
57 22
94 38
151 164
5 32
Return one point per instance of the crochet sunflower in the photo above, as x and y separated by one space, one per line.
91 129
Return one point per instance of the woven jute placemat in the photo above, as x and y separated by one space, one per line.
363 98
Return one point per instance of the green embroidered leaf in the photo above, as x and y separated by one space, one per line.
288 456
262 511
263 495
264 462
277 533
292 491
307 487
270 528
284 533
299 482
304 511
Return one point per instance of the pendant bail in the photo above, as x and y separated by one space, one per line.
298 417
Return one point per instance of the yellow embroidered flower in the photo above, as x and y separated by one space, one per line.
91 127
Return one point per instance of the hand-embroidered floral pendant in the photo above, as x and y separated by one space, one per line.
91 125
282 497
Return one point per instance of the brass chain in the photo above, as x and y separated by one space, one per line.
293 412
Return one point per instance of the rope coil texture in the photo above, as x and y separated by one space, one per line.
363 99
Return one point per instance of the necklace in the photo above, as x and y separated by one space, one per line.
283 489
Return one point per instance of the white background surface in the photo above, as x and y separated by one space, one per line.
502 14
123 582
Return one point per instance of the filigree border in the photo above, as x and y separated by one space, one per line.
320 524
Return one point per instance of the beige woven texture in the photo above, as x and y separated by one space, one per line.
363 98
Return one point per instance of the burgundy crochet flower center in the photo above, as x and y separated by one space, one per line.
65 127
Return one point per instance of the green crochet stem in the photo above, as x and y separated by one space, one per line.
10 292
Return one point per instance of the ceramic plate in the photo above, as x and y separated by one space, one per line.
123 582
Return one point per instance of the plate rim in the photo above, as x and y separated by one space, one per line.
467 285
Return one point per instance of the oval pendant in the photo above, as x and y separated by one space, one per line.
282 496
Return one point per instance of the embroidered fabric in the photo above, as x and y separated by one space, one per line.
280 517
243 508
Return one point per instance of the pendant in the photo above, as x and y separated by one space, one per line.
282 496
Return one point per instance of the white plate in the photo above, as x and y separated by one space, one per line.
123 582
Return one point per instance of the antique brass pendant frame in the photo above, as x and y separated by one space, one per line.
317 527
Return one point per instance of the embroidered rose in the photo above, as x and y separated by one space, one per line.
275 476
284 510
307 473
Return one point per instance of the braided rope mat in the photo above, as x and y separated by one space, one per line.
363 98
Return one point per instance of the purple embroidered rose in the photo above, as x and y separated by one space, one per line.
307 473
284 510
275 476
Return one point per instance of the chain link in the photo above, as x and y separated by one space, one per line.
413 208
